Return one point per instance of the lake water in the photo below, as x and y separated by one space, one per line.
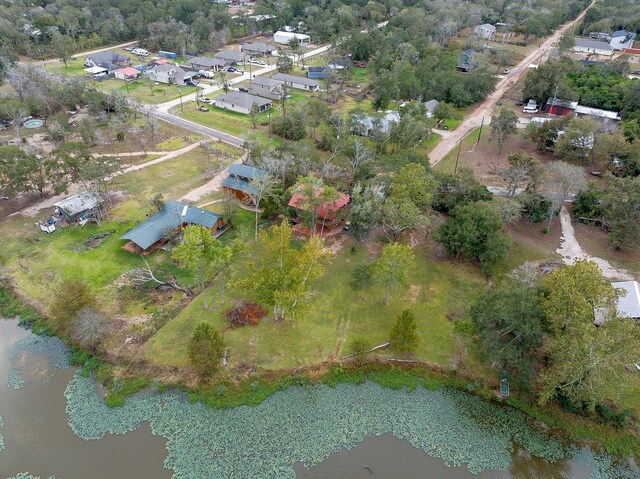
245 442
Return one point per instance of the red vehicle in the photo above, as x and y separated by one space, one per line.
360 64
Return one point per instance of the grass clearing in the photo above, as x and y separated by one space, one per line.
335 317
145 90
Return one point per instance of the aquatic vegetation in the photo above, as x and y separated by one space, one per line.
26 475
48 347
1 439
308 423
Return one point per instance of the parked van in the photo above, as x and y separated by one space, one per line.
531 107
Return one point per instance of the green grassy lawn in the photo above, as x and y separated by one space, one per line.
75 67
447 164
335 317
35 260
145 91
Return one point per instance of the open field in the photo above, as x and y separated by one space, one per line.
335 317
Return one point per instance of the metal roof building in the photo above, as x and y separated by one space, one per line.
173 215
628 306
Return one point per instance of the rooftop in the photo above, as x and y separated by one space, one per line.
585 110
265 81
246 171
78 203
628 306
128 71
595 44
328 209
258 47
231 55
242 99
171 217
295 79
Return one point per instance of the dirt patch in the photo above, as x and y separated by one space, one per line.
530 236
336 244
97 239
595 241
414 293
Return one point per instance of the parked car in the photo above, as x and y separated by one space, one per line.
191 82
531 107
203 109
257 62
506 71
206 100
231 70
520 102
243 89
128 49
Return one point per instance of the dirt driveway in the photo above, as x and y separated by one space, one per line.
474 120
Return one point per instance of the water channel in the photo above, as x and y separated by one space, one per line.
274 439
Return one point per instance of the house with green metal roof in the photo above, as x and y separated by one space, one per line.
164 225
239 181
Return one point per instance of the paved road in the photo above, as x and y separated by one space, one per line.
197 128
474 120
90 52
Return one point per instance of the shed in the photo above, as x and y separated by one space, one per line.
486 31
285 37
317 73
157 230
239 180
558 107
628 306
78 207
95 70
597 112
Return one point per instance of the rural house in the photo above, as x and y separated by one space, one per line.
241 102
161 227
285 37
466 60
166 73
365 125
208 63
431 106
231 56
622 39
301 83
266 87
486 31
127 73
329 218
585 45
259 49
101 59
239 181
78 208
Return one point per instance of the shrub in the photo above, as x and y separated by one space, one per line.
360 349
404 337
245 314
206 349
535 207
70 297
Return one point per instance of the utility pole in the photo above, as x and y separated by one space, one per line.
455 168
480 132
180 93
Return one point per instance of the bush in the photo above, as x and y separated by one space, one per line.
206 349
404 336
245 314
360 349
535 207
70 297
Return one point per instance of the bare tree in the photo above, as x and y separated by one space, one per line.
560 180
17 114
261 187
142 275
521 167
90 327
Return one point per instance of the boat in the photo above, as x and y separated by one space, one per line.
504 384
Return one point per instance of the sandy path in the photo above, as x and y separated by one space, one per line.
571 251
34 209
474 120
210 186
